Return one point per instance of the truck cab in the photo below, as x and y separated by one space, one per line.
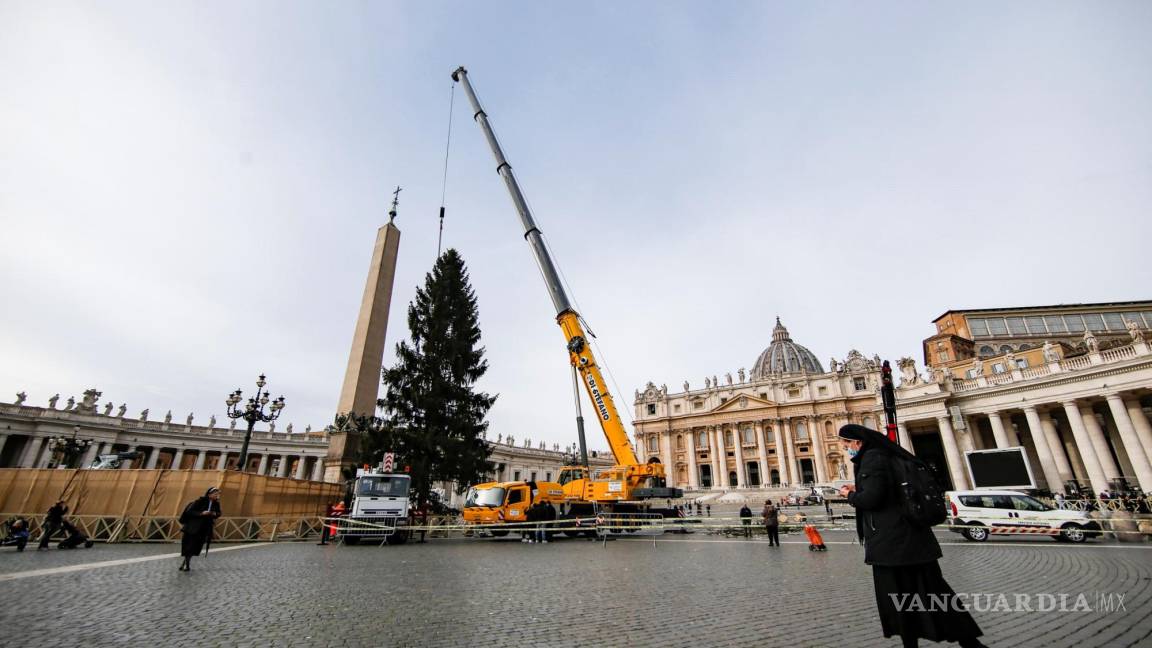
379 510
505 502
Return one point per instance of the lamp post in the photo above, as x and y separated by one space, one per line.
68 447
253 413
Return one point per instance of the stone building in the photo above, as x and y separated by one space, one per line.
27 433
1079 406
774 426
984 332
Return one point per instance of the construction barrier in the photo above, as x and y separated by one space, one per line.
151 493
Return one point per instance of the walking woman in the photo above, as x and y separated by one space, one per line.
903 556
196 523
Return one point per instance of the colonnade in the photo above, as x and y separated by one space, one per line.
36 454
1089 440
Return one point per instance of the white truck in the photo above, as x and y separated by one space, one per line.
379 510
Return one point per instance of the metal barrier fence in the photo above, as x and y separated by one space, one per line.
142 528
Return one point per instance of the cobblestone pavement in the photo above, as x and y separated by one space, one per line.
687 590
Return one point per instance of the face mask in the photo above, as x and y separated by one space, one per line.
852 452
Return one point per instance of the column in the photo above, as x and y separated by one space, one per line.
722 458
263 467
153 457
31 452
952 453
45 457
1099 443
282 469
821 456
902 435
301 464
222 465
1084 447
1043 451
762 452
1140 423
741 478
4 441
177 459
998 430
89 455
693 479
712 458
201 456
1136 453
318 471
667 455
1063 468
790 452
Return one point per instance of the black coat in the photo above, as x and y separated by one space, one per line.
888 538
194 524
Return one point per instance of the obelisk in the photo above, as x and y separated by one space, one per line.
362 378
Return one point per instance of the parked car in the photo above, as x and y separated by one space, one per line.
977 514
804 496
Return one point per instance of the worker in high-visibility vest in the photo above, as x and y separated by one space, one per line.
329 525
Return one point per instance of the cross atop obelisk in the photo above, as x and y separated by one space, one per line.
395 203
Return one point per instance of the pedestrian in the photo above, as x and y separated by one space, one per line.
549 517
771 523
903 555
708 507
697 509
328 525
56 520
17 534
197 522
746 520
1060 500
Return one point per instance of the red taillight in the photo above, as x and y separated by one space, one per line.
954 512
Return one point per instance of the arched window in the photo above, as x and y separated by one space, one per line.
1025 347
679 441
769 435
702 440
1004 348
868 423
801 432
748 435
652 444
728 438
986 351
829 429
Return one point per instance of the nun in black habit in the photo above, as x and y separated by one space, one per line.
906 576
196 522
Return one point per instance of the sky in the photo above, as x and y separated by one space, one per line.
190 191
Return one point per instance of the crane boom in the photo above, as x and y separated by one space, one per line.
569 320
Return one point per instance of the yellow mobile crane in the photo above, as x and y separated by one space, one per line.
627 481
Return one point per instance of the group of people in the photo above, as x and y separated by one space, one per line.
770 517
19 531
535 532
196 522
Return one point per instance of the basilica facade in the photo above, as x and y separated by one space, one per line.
773 426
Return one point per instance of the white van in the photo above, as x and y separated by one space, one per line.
976 514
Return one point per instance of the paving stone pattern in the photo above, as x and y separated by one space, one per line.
686 591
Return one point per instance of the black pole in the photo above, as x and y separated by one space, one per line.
888 396
247 437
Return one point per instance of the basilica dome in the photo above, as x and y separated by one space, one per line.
784 356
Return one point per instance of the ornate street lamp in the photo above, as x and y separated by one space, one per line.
68 448
253 413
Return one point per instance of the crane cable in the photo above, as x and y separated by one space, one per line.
444 182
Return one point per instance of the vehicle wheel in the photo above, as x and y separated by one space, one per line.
976 533
397 538
351 540
499 533
1073 533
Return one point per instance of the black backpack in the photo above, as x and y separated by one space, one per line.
921 497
